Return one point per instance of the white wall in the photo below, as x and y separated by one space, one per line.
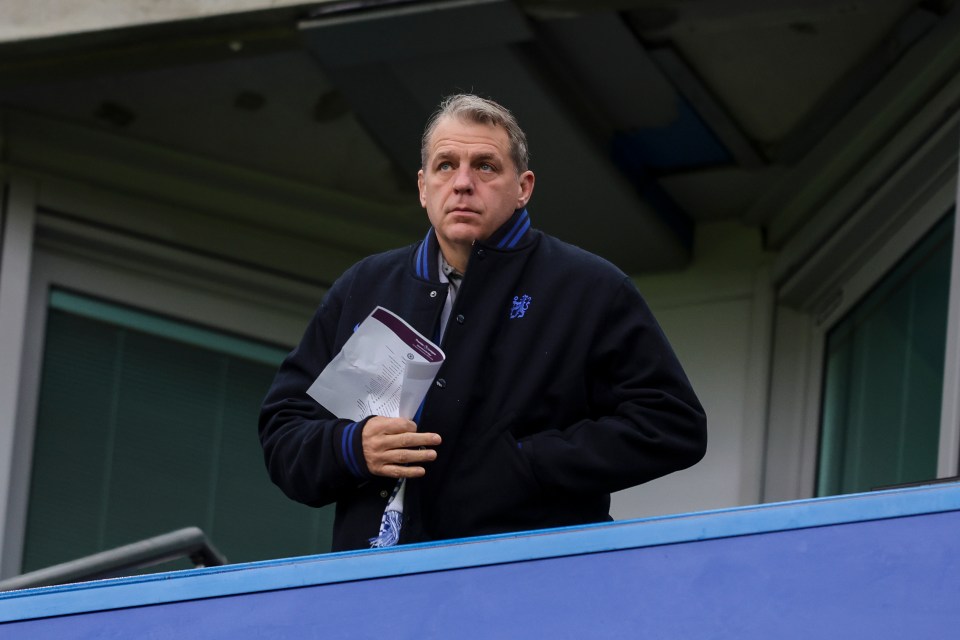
717 315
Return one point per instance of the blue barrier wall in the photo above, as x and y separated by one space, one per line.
883 565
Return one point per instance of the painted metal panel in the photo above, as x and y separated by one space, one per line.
884 565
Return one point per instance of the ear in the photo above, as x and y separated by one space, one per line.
527 179
421 188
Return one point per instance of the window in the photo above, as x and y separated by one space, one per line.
147 424
883 376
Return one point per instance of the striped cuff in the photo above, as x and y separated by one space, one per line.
351 449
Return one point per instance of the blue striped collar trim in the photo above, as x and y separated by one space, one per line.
425 259
511 232
509 236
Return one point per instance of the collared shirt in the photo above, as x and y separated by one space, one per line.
453 278
392 520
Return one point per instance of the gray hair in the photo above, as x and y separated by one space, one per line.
466 106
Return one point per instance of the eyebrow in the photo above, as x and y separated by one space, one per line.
480 157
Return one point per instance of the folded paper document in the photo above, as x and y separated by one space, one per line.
384 369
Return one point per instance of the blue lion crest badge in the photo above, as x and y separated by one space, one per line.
520 306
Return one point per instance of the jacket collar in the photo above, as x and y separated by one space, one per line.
512 234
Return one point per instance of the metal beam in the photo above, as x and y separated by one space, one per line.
708 107
189 542
852 86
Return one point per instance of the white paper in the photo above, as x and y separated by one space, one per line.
384 369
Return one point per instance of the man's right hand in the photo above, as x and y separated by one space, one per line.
393 448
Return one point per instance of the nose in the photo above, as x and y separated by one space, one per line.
463 181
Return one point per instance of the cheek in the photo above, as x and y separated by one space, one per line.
430 192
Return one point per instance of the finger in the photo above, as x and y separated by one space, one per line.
409 456
387 442
391 462
412 440
402 457
378 425
397 471
377 445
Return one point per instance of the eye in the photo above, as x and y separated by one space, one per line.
487 167
446 165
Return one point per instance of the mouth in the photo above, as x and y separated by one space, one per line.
463 211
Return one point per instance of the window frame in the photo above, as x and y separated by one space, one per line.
862 284
833 279
84 261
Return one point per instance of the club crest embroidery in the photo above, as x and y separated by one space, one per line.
520 306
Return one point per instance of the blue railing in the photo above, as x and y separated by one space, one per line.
879 565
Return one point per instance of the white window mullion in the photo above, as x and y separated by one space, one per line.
16 255
948 461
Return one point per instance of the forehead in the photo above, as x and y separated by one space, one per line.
456 134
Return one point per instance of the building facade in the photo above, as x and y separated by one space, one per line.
183 180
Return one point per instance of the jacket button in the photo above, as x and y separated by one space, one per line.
481 254
433 294
384 493
460 318
441 383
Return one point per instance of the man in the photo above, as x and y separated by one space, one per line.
559 386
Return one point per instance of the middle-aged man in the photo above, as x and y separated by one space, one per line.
559 387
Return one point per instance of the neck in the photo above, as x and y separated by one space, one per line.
456 255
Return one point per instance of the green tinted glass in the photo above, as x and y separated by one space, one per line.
145 425
884 376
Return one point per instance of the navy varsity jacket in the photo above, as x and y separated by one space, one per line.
559 388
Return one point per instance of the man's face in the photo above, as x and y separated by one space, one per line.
470 185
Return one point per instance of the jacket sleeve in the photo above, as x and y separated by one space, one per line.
310 454
647 421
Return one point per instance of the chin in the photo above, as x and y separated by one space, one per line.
463 235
